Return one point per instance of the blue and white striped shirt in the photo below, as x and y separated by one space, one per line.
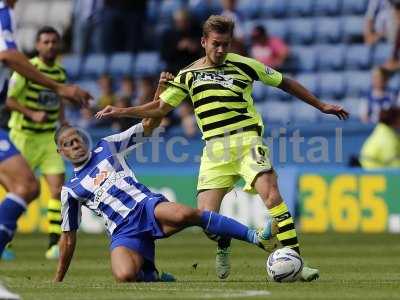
105 183
7 40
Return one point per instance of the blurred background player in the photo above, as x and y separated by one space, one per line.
218 87
15 174
382 148
36 111
379 97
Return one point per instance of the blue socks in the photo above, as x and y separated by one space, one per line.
10 210
215 223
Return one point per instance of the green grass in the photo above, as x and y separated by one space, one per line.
352 267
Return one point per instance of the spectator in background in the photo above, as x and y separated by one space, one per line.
121 124
181 44
188 121
107 96
122 26
86 17
127 89
379 22
382 147
229 9
145 90
271 51
380 97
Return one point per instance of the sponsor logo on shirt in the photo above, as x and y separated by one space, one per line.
224 80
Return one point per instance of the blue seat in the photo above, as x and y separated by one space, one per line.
258 91
310 81
353 106
354 7
94 65
353 28
358 83
303 113
381 53
147 63
276 111
273 8
394 83
328 30
277 93
90 86
332 85
121 64
330 57
358 57
276 28
301 30
250 9
300 8
72 65
302 59
327 7
167 9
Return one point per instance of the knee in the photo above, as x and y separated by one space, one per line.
125 275
272 198
27 189
187 215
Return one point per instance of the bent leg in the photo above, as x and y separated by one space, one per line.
174 217
126 264
22 188
266 184
55 182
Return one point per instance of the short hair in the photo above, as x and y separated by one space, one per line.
389 116
219 24
47 29
59 131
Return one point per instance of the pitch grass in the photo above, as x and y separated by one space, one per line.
352 267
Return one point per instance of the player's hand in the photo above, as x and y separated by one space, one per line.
74 93
165 77
110 111
336 110
150 123
38 116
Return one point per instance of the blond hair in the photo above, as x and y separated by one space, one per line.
219 24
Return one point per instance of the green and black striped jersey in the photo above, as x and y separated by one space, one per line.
36 97
221 95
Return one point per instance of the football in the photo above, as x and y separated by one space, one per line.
284 265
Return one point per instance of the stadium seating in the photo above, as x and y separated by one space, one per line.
332 85
358 83
301 30
121 64
354 7
94 65
328 30
358 56
331 7
72 64
330 57
302 59
300 8
381 52
147 63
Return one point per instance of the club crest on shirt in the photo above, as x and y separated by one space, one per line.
224 80
100 178
269 71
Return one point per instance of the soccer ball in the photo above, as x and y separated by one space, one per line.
284 265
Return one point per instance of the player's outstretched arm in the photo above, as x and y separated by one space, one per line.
36 116
296 89
154 109
67 247
20 63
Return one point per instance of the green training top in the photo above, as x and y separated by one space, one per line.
36 97
221 95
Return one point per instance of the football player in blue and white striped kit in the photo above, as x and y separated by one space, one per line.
134 216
